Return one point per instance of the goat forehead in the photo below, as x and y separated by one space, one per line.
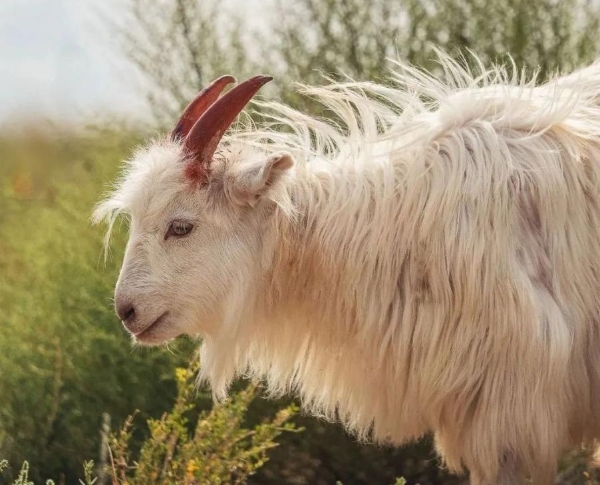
151 185
150 205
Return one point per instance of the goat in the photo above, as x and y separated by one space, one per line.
427 262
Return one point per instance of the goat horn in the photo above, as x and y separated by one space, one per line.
204 137
199 105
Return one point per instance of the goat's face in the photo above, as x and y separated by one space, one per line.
196 231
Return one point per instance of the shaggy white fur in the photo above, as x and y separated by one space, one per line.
430 263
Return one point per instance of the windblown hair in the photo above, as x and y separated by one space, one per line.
433 264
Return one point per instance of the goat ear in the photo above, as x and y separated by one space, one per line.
246 183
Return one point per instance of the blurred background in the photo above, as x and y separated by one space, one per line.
81 84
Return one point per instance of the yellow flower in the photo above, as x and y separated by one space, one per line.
191 468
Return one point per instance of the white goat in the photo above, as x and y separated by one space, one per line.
429 263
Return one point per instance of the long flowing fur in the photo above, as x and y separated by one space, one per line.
433 264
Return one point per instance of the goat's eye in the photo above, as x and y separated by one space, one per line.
179 229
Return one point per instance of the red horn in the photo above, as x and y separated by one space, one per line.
204 137
199 105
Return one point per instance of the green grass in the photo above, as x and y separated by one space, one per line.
64 358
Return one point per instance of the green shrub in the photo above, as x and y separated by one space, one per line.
185 447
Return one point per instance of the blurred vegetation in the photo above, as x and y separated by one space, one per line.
64 359
358 38
180 45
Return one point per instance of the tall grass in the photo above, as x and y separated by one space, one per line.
63 358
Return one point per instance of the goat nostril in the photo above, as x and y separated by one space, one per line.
129 314
126 312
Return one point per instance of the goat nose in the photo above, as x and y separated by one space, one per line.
125 311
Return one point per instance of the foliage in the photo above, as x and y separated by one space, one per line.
350 37
178 46
212 447
23 477
580 466
88 479
182 44
188 446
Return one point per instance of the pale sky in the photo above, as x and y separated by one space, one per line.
59 60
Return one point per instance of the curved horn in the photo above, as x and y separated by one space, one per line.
205 135
199 105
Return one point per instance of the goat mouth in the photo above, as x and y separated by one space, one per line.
140 335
